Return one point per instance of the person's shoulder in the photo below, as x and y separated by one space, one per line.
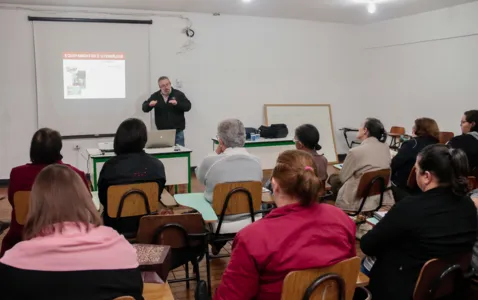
460 139
331 211
155 94
178 92
255 232
78 171
20 169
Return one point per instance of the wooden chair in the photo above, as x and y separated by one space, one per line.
185 234
21 203
412 179
132 200
445 136
371 184
444 277
395 134
329 283
472 183
234 198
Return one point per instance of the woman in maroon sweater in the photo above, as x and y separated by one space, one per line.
299 234
44 150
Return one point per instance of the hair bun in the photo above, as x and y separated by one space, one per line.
318 147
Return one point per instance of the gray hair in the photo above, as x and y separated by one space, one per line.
163 78
232 133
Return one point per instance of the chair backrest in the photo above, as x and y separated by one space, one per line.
129 200
442 277
445 136
238 202
124 298
370 185
149 226
297 283
397 130
21 203
412 178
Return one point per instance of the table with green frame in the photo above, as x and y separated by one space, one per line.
177 164
267 150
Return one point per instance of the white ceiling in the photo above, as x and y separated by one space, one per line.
344 11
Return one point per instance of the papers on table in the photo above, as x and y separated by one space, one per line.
338 166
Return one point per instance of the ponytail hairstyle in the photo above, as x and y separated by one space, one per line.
309 136
375 129
449 166
297 176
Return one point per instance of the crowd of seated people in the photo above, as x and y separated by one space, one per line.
436 220
371 155
299 234
45 149
66 253
231 163
130 165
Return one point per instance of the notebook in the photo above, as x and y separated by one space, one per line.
379 214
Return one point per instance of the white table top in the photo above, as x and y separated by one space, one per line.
95 152
264 140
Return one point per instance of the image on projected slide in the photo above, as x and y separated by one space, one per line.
94 75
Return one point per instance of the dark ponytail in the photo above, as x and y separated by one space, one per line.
375 129
450 166
460 167
309 136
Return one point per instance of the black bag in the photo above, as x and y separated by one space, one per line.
249 131
274 131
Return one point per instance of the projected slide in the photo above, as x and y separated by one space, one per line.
94 75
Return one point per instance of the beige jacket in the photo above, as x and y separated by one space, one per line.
371 155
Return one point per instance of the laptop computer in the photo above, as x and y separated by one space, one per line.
161 139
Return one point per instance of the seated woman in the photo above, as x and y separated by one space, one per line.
439 222
67 254
468 141
425 132
130 165
371 155
299 234
232 163
45 149
307 139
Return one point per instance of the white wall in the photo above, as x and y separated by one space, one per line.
422 66
237 64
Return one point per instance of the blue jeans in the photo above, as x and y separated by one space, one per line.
180 138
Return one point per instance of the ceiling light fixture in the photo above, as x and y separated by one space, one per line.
371 7
246 1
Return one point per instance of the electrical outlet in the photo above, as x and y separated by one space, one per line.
77 147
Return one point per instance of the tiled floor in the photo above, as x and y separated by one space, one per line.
179 289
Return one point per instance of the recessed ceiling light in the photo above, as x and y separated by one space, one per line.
371 7
246 1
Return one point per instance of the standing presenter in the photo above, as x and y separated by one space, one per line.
169 107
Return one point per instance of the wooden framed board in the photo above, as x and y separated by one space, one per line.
294 115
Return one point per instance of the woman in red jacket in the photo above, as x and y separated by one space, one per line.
299 234
45 150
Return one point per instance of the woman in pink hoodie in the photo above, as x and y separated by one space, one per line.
66 253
